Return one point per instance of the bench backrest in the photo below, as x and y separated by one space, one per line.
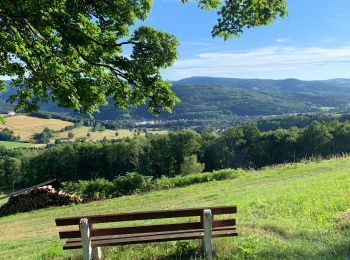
194 212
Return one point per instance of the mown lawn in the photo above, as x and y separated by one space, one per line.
286 212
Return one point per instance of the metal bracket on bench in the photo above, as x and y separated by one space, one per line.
207 224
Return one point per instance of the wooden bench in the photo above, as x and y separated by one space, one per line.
85 235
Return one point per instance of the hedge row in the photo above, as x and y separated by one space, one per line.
134 183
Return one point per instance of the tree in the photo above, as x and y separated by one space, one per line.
191 165
7 135
70 134
44 136
73 52
10 171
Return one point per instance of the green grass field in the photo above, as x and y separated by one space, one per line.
295 211
12 145
27 126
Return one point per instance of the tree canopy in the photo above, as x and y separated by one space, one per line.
77 53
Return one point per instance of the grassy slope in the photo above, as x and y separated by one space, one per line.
81 132
26 126
293 211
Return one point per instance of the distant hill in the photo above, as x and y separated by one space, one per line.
222 99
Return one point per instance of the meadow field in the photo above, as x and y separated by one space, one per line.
293 211
12 145
82 132
27 126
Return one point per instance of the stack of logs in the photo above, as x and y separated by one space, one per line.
37 198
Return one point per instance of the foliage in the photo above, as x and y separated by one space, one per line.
164 183
167 155
70 134
191 165
72 52
237 15
134 183
90 190
10 171
131 183
8 135
44 136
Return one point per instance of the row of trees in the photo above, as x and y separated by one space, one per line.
177 153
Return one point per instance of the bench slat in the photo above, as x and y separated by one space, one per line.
196 234
147 228
122 236
145 215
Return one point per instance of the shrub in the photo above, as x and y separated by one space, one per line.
90 190
7 135
131 183
181 181
227 174
58 141
44 136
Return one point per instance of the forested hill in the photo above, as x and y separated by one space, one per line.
211 99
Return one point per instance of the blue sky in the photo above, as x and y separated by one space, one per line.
313 42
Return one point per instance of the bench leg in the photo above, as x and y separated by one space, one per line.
97 253
208 244
86 238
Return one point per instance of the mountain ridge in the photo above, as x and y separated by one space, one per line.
213 99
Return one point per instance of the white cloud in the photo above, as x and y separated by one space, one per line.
282 40
329 40
269 59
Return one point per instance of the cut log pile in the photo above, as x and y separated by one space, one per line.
37 198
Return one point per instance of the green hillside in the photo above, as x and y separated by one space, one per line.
292 211
225 101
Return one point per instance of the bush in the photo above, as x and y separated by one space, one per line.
131 183
7 135
181 181
226 174
90 190
44 136
58 141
